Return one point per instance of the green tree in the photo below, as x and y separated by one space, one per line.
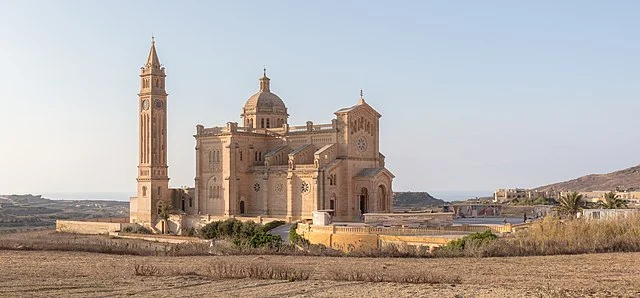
613 201
165 214
570 204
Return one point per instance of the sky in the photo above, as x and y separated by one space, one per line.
475 95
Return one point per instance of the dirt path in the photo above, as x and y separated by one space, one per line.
76 274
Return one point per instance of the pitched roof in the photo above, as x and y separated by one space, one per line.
369 172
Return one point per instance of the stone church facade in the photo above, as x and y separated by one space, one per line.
263 166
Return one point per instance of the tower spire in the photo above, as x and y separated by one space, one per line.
264 81
152 60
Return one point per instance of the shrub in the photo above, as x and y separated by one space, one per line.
136 230
475 238
191 232
391 276
145 270
295 238
210 230
226 270
272 225
262 239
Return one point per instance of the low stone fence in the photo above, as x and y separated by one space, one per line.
446 230
181 223
413 219
158 238
90 227
368 238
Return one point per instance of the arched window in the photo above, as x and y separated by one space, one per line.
382 198
159 191
268 124
144 191
241 207
260 156
262 123
364 200
210 191
190 202
240 155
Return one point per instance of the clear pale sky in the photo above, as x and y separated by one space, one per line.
475 95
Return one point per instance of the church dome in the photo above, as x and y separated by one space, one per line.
264 100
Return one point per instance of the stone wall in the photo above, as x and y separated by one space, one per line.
90 227
373 238
410 219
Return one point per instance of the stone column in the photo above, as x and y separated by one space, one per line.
265 194
290 195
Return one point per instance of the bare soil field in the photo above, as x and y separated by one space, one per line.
82 274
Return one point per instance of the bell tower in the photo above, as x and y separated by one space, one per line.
153 179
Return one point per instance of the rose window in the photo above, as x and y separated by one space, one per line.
305 187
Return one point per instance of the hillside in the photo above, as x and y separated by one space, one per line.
18 211
414 200
627 179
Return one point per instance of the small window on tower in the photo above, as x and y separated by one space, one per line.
144 191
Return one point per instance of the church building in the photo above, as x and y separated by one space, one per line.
263 166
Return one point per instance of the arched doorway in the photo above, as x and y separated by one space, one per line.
241 207
364 200
382 198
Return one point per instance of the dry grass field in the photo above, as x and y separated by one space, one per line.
83 274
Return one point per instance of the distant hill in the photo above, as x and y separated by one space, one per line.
17 211
627 179
411 199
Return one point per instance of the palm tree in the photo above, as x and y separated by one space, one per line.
613 201
570 203
165 214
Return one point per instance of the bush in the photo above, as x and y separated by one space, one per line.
262 239
241 234
210 230
272 225
145 270
136 230
191 232
471 238
295 238
226 270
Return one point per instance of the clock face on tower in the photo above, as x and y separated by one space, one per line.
361 144
158 104
145 104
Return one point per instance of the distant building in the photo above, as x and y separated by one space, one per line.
606 214
504 195
475 210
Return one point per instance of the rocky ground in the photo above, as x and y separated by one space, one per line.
80 274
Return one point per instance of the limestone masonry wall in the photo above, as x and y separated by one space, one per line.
90 227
